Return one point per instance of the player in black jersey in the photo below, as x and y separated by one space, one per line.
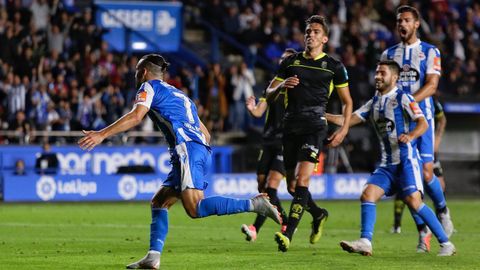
440 124
309 77
270 168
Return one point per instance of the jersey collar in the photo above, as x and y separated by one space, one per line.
416 43
320 56
390 93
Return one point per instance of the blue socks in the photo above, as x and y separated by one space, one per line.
434 190
432 222
218 205
369 216
158 228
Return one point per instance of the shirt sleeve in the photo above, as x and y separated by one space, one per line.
384 56
340 78
282 70
411 107
434 62
364 111
144 95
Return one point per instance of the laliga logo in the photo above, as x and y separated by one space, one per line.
46 188
127 187
165 22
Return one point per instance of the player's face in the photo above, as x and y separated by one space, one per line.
407 26
384 78
314 36
139 75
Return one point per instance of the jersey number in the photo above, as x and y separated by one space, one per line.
188 107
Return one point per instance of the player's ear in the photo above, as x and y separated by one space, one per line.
325 39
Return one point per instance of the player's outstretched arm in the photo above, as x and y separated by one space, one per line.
256 109
338 119
276 85
126 122
419 129
338 136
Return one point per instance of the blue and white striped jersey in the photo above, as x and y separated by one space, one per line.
391 115
416 61
172 111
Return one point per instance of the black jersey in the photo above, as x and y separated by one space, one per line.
272 131
307 102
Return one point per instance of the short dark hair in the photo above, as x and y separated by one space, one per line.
154 63
392 65
406 8
290 50
320 20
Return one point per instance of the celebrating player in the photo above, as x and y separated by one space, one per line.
398 122
420 72
176 115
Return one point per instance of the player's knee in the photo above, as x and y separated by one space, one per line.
303 179
427 176
191 211
413 200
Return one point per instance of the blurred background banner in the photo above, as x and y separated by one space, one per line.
140 26
118 187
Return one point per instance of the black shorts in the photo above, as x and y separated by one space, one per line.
270 158
303 147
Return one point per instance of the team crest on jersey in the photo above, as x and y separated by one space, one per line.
421 55
324 64
296 62
141 96
394 103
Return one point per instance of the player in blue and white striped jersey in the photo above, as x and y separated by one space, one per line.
398 122
176 115
420 72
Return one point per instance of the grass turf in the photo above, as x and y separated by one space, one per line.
110 235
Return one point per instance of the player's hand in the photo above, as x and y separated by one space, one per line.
405 138
337 138
90 140
250 103
290 82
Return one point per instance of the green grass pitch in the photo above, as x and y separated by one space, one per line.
110 235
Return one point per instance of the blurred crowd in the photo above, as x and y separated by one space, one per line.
56 73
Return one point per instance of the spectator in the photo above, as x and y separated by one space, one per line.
47 161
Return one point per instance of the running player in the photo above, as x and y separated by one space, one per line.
310 77
270 168
420 72
398 122
176 115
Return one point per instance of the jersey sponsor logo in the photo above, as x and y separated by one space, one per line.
141 96
385 126
437 64
408 75
415 108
